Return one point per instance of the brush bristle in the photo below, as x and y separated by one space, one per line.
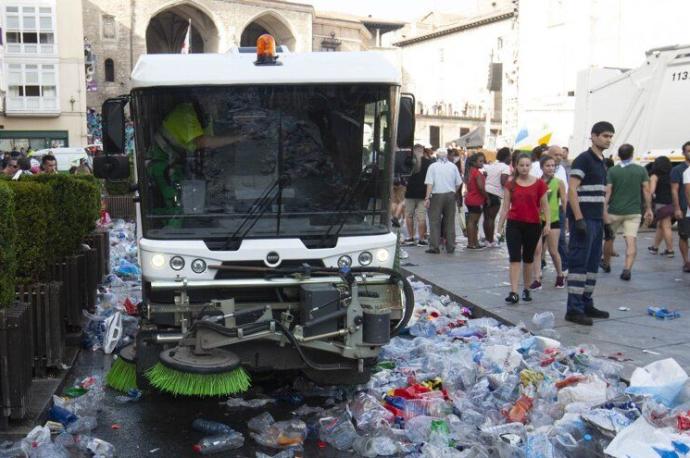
122 376
190 384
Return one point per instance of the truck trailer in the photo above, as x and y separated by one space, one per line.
646 105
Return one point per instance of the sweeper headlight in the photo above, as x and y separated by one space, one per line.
198 266
382 255
266 50
157 261
365 258
344 261
177 263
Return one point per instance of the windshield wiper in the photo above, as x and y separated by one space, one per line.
363 180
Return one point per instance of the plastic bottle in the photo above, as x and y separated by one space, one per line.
544 320
507 428
211 427
538 446
371 447
219 443
19 449
62 415
337 431
434 407
82 425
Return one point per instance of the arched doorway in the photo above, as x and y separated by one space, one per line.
167 30
272 23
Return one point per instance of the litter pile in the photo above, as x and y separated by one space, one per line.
114 322
72 418
456 386
464 387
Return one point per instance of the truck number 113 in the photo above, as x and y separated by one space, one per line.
678 76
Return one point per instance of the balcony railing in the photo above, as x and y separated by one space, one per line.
31 105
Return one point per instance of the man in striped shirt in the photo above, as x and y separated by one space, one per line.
586 210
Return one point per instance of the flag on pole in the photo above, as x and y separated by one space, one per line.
187 44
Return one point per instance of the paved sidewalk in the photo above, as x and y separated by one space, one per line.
481 277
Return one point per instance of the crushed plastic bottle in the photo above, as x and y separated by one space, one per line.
373 446
338 431
219 443
261 422
282 434
211 427
544 320
82 425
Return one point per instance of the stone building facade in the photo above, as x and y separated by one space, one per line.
117 32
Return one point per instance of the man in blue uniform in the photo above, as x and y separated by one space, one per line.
586 214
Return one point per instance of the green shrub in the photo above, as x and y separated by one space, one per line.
76 200
8 234
35 217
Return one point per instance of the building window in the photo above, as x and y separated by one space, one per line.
330 44
109 29
32 87
109 70
30 30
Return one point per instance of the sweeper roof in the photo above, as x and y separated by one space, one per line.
154 70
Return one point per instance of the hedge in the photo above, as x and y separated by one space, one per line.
35 218
77 202
8 234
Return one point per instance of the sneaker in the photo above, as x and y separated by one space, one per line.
395 222
594 312
404 254
667 253
605 267
543 264
560 282
450 250
432 251
625 275
476 248
653 250
536 284
422 242
408 242
526 296
686 267
512 298
578 318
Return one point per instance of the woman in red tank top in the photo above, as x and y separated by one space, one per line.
523 204
475 199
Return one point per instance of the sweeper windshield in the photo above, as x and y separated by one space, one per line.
221 163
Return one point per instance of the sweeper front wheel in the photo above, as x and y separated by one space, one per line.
216 372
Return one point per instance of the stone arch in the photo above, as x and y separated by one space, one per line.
167 27
268 22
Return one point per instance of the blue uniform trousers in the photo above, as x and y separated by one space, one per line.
584 254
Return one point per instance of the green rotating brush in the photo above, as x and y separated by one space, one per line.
181 372
123 373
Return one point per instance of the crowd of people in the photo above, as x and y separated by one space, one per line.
545 203
16 164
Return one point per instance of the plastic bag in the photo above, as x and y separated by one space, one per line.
642 440
282 434
368 412
663 380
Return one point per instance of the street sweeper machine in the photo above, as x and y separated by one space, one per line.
262 192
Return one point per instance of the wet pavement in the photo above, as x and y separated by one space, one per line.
160 425
481 277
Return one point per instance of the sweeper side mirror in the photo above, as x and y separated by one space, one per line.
406 122
113 164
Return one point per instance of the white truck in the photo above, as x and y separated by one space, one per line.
263 209
647 105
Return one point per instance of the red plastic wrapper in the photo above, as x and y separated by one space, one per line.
518 413
684 422
570 380
411 392
130 307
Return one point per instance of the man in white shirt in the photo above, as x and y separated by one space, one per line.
442 182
